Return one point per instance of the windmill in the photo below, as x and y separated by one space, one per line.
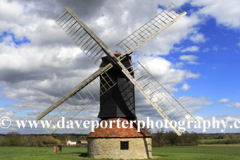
114 83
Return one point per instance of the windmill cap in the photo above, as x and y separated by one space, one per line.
117 53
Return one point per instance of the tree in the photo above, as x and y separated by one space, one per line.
14 138
2 140
226 136
195 137
186 137
63 137
159 137
172 137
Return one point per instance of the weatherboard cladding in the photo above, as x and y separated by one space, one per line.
119 132
120 100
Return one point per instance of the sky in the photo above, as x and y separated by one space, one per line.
196 58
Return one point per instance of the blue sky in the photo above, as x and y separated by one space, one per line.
218 66
196 59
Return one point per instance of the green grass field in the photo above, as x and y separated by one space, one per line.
166 153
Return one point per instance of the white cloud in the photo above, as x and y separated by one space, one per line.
199 118
39 30
164 42
198 38
231 119
4 112
238 44
2 109
234 105
185 87
190 49
224 100
189 58
225 13
164 72
194 103
179 65
33 113
206 50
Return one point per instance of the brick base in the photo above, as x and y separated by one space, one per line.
139 148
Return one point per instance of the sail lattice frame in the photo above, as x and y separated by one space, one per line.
78 99
162 100
150 29
81 35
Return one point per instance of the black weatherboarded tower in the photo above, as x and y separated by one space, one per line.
118 102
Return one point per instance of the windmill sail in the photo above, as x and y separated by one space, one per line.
79 98
165 104
87 41
150 29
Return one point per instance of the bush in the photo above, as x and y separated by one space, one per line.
224 141
16 139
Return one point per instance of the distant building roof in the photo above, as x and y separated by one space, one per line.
83 142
